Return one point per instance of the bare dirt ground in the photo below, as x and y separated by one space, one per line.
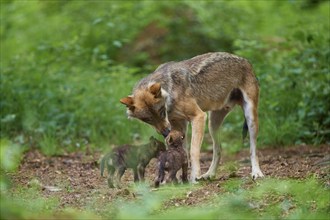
75 177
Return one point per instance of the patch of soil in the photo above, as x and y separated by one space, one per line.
75 178
296 162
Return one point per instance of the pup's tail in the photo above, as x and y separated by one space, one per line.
245 129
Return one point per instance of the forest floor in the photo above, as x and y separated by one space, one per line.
75 178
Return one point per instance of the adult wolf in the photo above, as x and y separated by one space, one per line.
180 92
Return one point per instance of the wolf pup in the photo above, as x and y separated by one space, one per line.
180 92
173 159
128 156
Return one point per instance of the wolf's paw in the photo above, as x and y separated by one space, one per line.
205 176
256 173
193 181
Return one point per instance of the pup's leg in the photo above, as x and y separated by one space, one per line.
197 125
250 105
141 170
136 175
161 169
172 176
185 172
119 172
111 171
110 182
215 120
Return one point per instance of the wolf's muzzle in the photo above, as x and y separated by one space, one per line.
165 132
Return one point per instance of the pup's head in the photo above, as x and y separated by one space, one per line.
156 145
149 106
175 139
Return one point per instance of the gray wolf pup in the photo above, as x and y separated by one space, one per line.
180 92
173 159
129 156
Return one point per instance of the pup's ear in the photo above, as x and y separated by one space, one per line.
129 102
170 140
155 89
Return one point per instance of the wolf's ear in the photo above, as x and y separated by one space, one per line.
128 101
155 89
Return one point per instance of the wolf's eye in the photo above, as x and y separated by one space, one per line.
162 112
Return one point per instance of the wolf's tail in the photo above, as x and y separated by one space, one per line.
161 171
245 129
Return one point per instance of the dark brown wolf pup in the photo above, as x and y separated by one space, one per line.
173 159
129 156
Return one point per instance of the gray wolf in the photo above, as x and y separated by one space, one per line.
177 93
173 159
129 156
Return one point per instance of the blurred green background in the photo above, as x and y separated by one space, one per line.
65 65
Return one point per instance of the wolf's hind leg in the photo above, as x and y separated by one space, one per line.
250 106
215 120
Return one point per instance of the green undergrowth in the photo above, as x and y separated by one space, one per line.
237 199
234 198
62 78
268 199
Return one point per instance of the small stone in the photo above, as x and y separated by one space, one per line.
52 188
189 194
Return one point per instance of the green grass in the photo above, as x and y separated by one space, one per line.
19 205
237 198
269 199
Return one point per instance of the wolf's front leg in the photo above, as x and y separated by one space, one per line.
215 120
198 125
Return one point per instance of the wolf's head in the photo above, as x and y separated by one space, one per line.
149 106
